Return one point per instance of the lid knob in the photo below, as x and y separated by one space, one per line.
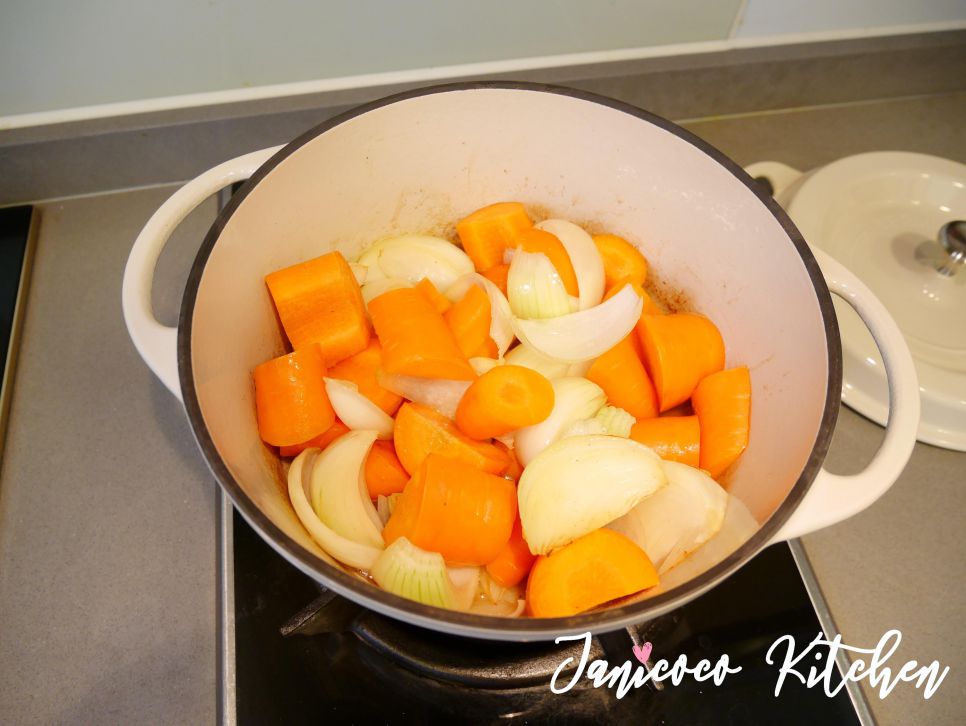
952 238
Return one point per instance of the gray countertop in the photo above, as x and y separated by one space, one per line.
108 513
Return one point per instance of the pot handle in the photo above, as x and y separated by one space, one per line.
157 343
832 497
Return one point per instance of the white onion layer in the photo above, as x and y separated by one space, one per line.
573 399
534 288
441 394
586 261
355 410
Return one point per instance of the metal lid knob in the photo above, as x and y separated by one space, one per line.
952 238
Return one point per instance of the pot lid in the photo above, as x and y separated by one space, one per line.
888 216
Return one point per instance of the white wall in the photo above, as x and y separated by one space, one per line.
763 18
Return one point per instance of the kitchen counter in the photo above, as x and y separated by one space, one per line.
108 513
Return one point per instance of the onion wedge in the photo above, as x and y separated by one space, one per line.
582 483
414 257
441 394
406 570
574 399
534 288
586 334
586 261
524 355
353 554
338 489
374 288
678 519
355 410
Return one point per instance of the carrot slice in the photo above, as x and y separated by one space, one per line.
596 568
621 374
650 307
463 513
363 370
438 299
514 561
415 339
487 350
469 321
502 400
498 275
318 442
487 232
291 404
538 240
679 350
421 431
319 301
675 438
622 260
384 473
722 402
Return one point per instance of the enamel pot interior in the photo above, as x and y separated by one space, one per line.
417 163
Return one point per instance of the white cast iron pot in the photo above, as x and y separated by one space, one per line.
417 162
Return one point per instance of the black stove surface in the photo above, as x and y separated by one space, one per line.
340 663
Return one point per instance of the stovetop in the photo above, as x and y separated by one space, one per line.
293 653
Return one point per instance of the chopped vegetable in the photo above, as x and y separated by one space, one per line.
505 399
338 489
538 240
291 404
363 370
524 355
316 442
418 257
722 402
650 307
616 421
440 394
482 364
498 275
600 566
353 554
678 518
585 334
584 257
675 438
415 339
385 474
408 571
453 508
355 410
580 484
514 469
622 260
385 505
487 232
513 563
469 321
621 374
421 431
319 301
435 297
573 399
679 350
501 327
466 585
375 288
534 289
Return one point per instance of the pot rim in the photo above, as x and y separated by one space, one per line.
488 626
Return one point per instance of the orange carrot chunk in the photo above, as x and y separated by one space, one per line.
679 350
469 321
596 568
514 561
414 337
620 373
622 260
463 513
363 370
502 400
722 402
319 301
515 469
650 307
538 240
318 442
384 473
438 299
421 431
291 404
675 438
487 232
498 275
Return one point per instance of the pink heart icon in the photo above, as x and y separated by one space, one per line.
642 652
